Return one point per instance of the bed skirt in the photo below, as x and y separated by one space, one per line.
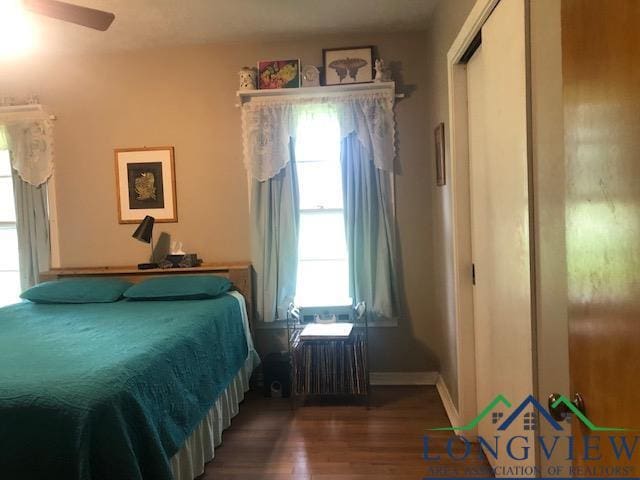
190 460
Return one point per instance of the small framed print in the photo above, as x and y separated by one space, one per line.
146 184
278 74
441 177
348 65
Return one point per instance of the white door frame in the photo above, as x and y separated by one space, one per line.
460 211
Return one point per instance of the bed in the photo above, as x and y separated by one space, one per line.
123 390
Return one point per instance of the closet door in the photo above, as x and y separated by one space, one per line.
498 156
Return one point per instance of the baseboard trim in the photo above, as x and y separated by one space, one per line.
403 378
447 402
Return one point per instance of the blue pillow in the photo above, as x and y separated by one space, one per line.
179 287
77 290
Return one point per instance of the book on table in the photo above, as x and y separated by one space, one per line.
326 331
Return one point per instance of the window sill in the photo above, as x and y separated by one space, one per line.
282 324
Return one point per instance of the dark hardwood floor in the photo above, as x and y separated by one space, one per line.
269 441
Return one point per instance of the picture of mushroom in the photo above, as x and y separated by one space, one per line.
348 65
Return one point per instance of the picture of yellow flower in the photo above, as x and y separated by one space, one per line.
279 74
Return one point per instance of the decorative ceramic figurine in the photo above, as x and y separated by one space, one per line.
379 67
248 77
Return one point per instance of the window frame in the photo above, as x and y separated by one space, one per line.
320 210
9 225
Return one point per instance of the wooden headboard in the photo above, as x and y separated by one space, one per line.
238 272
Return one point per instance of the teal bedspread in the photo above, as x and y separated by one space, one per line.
110 391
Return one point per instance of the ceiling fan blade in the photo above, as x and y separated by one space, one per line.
87 17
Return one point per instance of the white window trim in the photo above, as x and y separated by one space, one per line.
9 225
315 212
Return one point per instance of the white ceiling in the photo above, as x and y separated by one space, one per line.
146 23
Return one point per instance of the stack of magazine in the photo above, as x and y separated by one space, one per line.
329 360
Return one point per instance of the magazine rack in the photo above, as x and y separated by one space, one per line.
329 366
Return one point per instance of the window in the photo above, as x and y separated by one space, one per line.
529 422
9 268
323 268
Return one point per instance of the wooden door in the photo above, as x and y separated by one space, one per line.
601 76
498 162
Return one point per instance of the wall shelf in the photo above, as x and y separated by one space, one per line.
25 112
311 92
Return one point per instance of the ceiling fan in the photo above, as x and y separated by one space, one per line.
67 12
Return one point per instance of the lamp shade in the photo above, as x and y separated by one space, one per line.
145 230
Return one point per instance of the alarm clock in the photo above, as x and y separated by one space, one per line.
310 76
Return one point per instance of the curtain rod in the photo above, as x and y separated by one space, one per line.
25 112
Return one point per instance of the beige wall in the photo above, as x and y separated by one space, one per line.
442 29
185 97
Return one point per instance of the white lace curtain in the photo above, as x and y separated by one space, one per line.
29 137
269 124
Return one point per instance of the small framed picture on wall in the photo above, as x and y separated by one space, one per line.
441 175
348 65
146 184
279 74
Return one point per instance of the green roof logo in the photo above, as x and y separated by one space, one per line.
531 402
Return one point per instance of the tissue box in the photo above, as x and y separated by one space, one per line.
183 260
175 259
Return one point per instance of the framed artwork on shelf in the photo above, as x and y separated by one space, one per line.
348 65
278 74
441 177
146 184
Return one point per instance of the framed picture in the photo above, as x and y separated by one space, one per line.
279 74
441 178
348 65
146 184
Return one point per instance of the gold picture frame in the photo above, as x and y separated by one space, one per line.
441 174
146 184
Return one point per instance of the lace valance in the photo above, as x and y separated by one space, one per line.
268 125
29 137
